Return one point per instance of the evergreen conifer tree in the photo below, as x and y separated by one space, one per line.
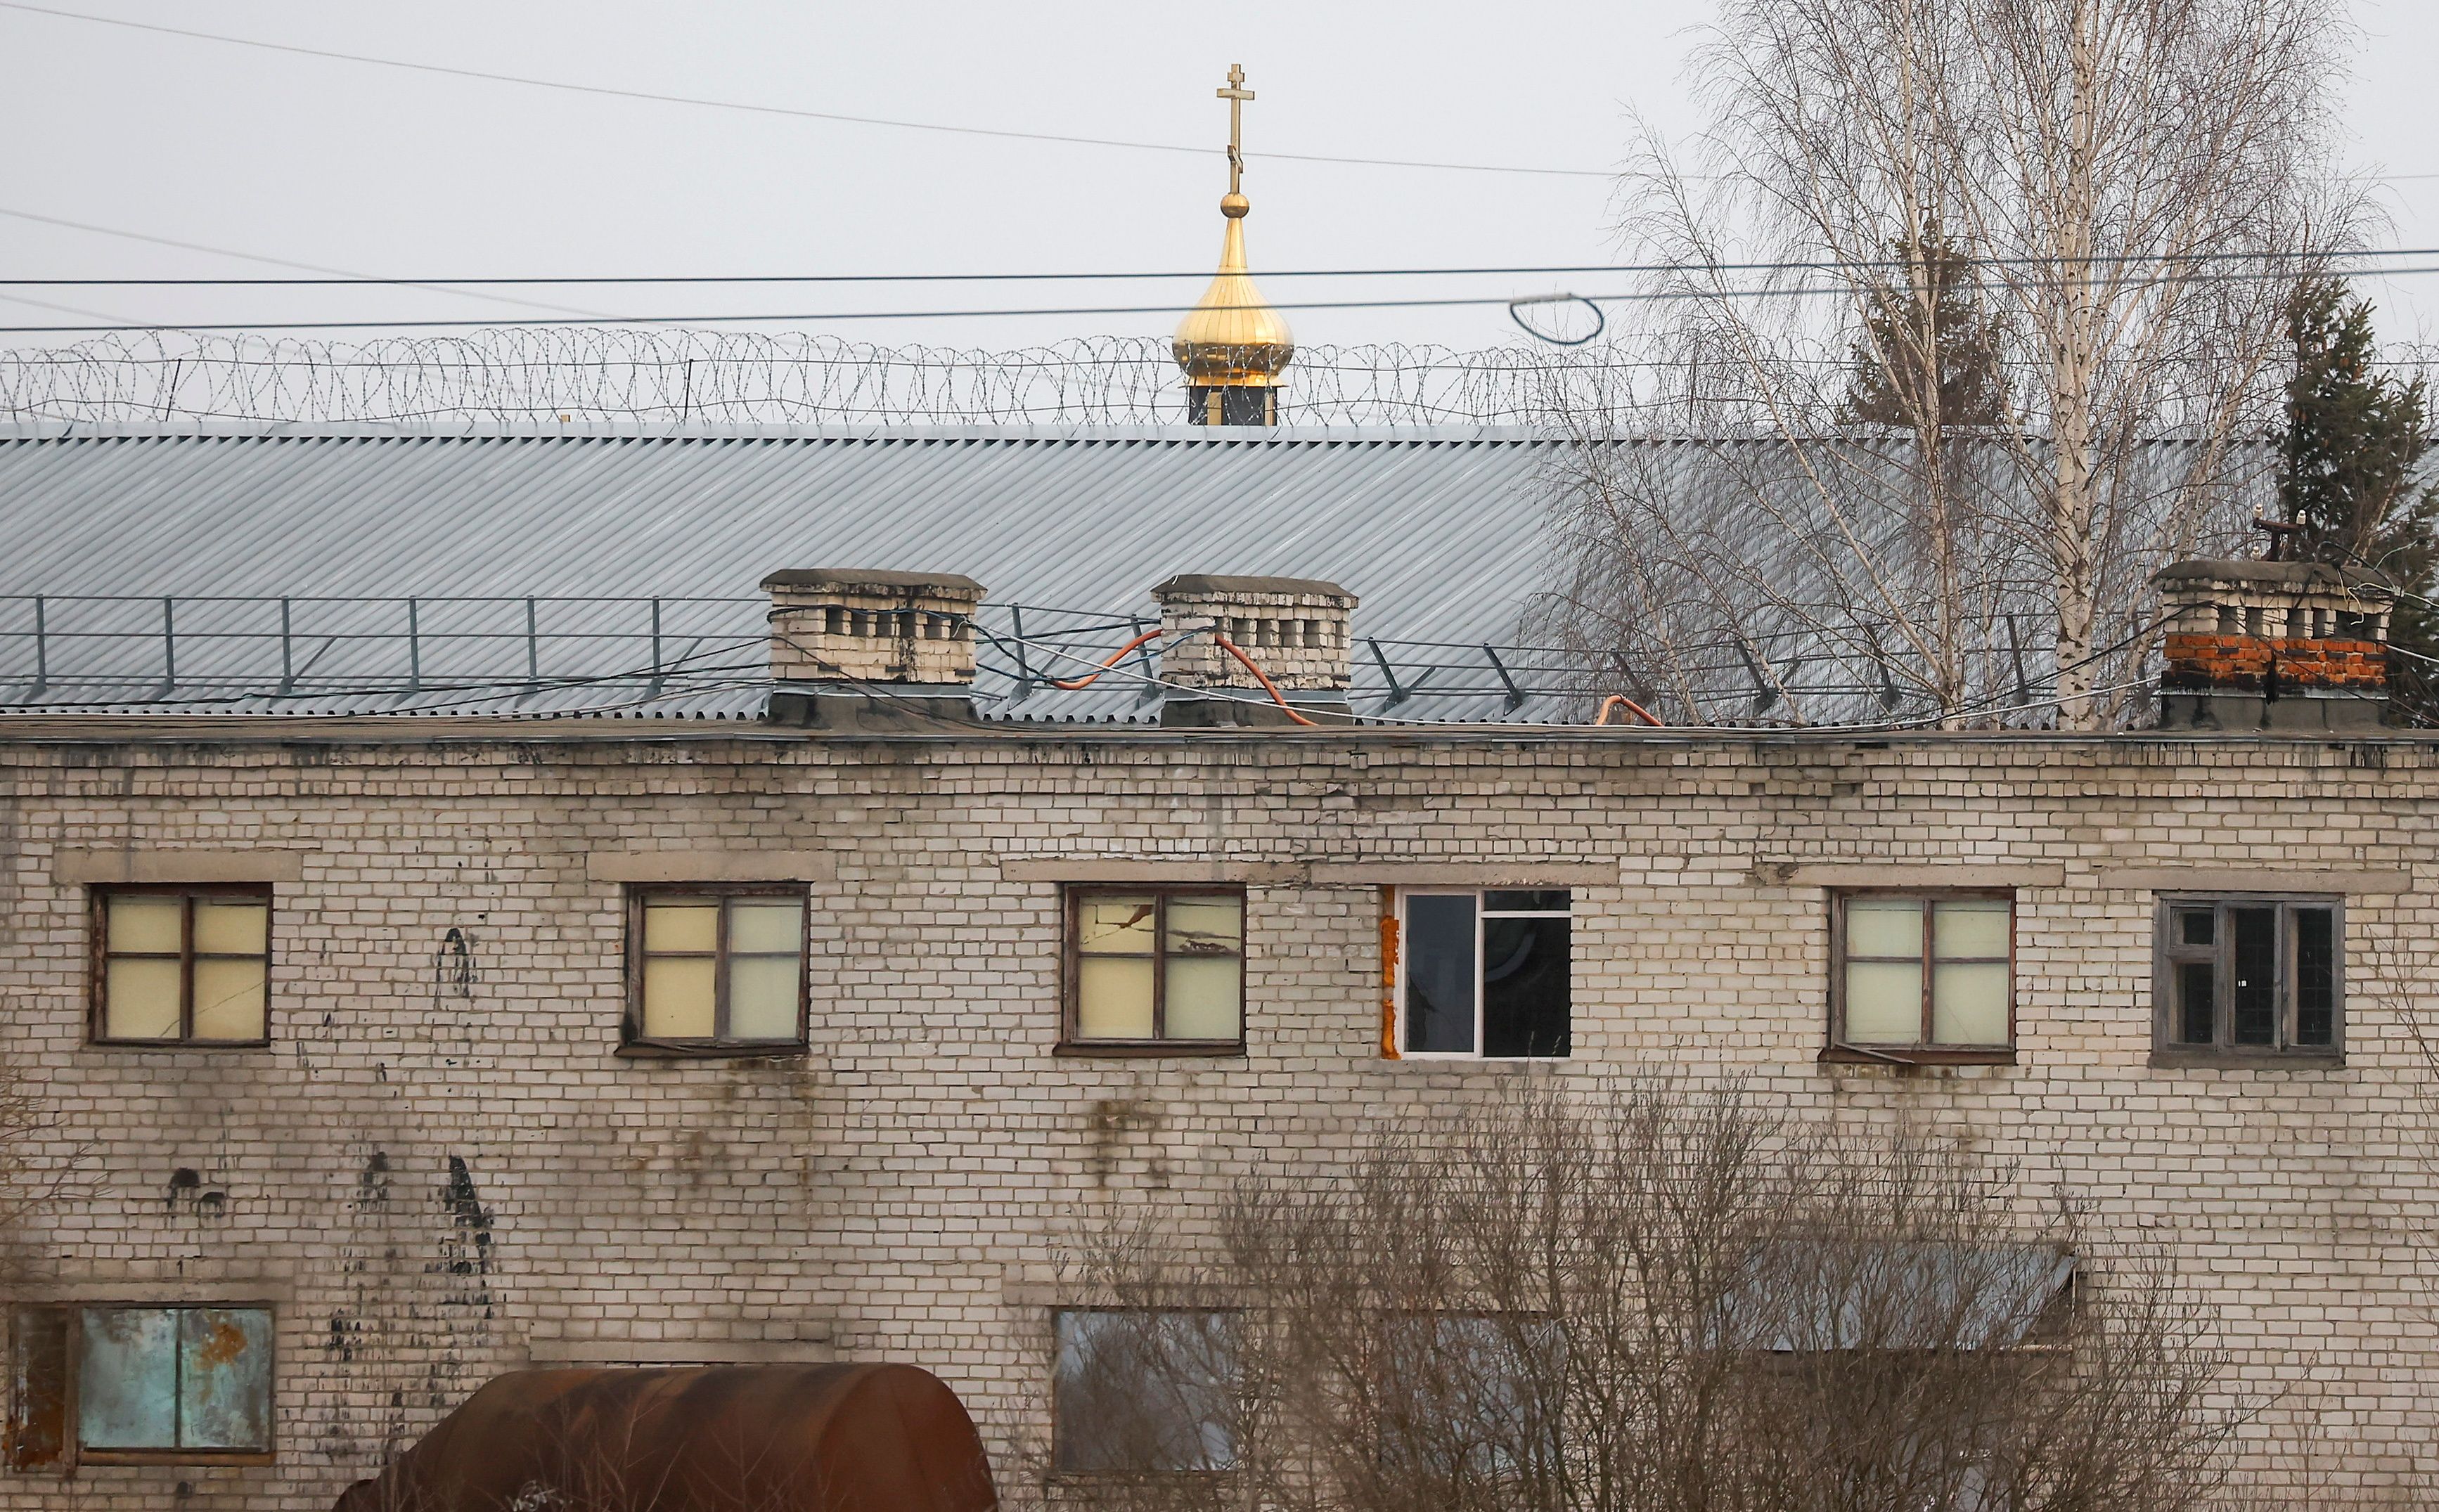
2352 440
1927 360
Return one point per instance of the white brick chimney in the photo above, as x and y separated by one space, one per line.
1295 628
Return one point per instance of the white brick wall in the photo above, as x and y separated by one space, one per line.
896 1192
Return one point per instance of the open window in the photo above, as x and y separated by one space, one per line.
1144 1390
1922 975
1484 974
139 1385
2249 977
716 971
181 966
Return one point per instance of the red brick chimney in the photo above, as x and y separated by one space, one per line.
2299 646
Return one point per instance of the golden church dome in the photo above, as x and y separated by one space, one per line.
1232 338
1232 335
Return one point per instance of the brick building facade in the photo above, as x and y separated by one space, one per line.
446 1161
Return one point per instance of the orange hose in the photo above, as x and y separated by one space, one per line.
1610 702
1272 689
1072 684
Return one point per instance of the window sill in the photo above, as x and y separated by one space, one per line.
2169 1058
1846 1055
659 1050
212 1046
173 1456
1137 1050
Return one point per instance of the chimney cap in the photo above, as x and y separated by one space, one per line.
1198 584
2289 575
873 580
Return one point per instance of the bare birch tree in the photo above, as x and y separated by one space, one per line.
2100 206
1638 1298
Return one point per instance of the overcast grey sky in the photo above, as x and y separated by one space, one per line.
379 170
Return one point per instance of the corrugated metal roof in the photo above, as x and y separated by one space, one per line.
1439 531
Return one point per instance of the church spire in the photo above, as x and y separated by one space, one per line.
1232 344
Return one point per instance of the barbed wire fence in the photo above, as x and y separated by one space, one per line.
548 378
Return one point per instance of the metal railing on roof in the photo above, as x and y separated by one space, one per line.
84 650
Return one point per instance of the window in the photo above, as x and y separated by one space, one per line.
1144 1390
102 1383
717 969
1156 969
183 965
2250 977
1482 973
1923 974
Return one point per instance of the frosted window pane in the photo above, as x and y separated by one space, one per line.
147 925
1883 1002
1115 926
140 1000
127 1381
681 926
677 998
228 1000
762 996
775 928
1206 925
1970 926
1883 926
231 928
224 1378
1968 1004
1114 998
1202 996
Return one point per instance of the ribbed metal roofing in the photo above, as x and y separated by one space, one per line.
1439 531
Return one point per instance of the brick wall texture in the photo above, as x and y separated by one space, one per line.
435 1175
2245 662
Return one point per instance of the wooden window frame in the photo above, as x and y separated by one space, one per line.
632 1042
1071 1041
1404 935
2167 1051
1204 1476
98 956
73 1451
1925 1051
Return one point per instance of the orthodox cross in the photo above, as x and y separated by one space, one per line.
1235 94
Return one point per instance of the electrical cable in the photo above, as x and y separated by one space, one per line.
1794 265
657 98
1638 296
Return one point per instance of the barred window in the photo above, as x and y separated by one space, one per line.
2247 977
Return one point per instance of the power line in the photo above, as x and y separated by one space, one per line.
657 98
444 285
1634 296
338 275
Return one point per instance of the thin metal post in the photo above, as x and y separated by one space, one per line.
2023 683
658 671
41 645
287 656
1764 694
169 645
1515 694
413 649
1397 694
1024 665
1151 689
533 654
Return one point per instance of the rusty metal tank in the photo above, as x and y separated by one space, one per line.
740 1438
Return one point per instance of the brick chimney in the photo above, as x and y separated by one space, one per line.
2298 646
1295 628
861 646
